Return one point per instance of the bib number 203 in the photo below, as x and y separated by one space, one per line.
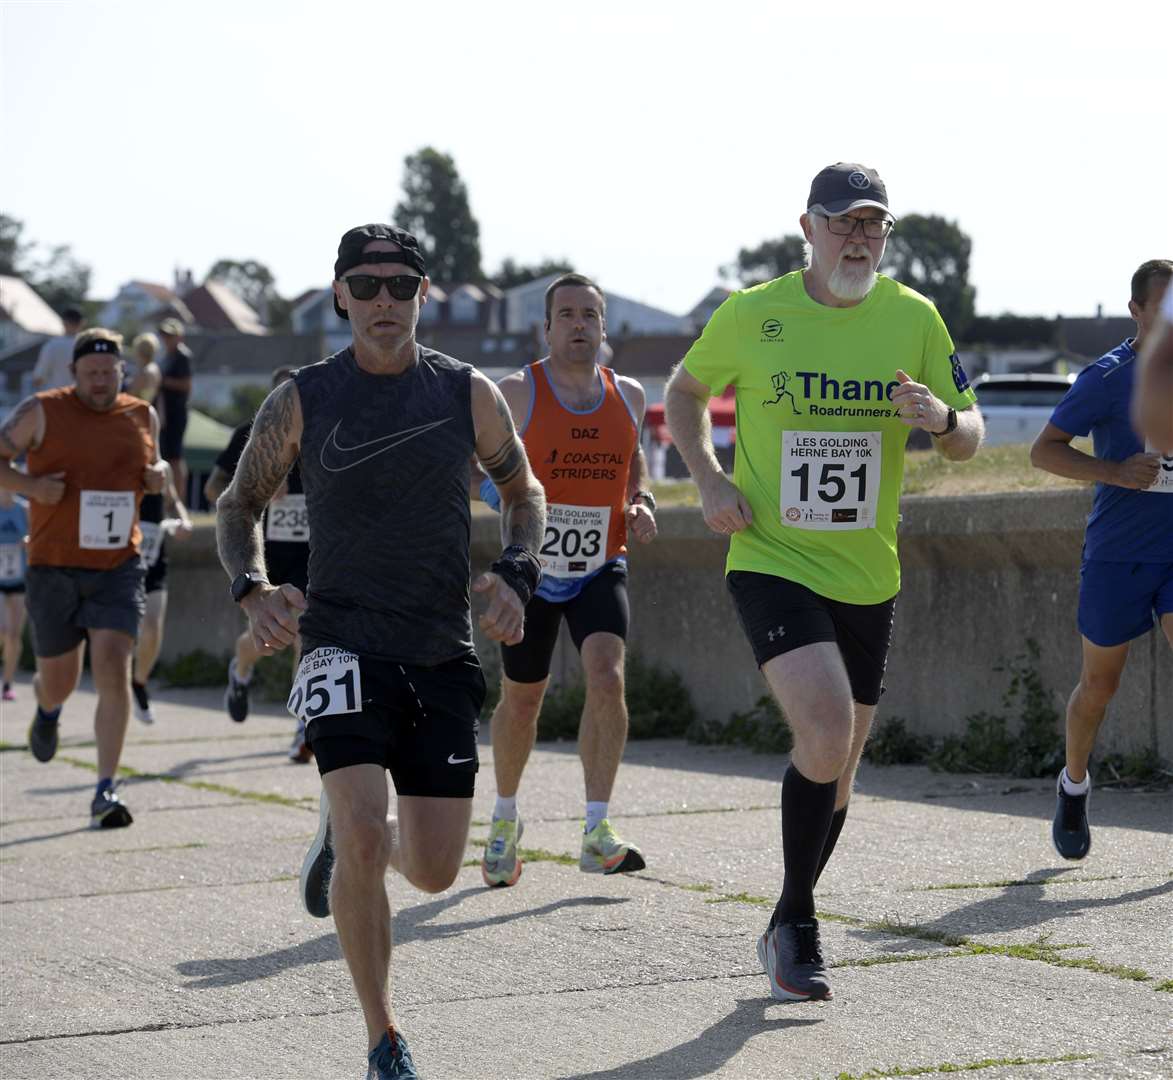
328 683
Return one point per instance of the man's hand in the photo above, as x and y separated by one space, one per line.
505 618
47 489
155 478
918 406
725 509
273 612
1137 472
641 523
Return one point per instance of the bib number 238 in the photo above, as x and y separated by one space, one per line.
327 683
830 479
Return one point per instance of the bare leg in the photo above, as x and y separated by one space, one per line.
864 715
57 677
110 661
602 733
247 655
150 635
13 629
1098 681
514 728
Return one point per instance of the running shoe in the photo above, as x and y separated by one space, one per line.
315 868
1069 831
391 1059
108 811
142 704
43 737
236 696
8 693
501 865
793 961
605 853
299 749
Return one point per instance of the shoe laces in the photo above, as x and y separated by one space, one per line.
808 949
1072 811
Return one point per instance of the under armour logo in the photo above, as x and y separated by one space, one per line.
778 634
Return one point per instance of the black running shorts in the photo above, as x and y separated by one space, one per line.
779 616
65 602
601 608
419 723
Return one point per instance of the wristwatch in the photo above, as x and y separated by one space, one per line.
244 583
950 425
648 499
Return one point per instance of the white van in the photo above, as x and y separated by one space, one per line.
1016 407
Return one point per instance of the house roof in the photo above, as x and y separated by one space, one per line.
22 305
160 292
217 307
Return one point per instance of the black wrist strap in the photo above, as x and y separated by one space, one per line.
519 568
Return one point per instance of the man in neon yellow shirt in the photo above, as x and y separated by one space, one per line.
832 365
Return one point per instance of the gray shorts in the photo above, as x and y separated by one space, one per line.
64 602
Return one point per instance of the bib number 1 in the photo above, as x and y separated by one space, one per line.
105 519
328 683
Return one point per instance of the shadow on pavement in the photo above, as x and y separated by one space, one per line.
711 1049
45 836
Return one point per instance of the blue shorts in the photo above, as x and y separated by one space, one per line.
1119 601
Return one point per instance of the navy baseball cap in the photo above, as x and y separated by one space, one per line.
846 186
350 252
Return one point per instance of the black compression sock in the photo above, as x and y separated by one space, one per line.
807 809
837 820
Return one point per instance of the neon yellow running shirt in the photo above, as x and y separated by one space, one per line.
820 449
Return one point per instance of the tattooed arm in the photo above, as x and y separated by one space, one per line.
270 453
23 430
523 503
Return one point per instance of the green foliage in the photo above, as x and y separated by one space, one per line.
58 278
770 259
990 743
561 712
891 743
763 729
436 211
196 668
1011 331
245 401
1141 769
512 273
931 255
273 677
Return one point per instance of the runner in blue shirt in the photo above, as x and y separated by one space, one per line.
1126 579
14 527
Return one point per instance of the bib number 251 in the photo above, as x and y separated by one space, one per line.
328 683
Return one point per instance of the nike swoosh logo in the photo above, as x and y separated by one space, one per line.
383 443
457 760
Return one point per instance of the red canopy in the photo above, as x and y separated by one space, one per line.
722 413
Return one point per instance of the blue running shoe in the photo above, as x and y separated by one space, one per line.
1069 830
391 1059
108 811
43 736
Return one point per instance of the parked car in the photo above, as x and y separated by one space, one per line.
1016 407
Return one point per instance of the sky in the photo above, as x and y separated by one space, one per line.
644 142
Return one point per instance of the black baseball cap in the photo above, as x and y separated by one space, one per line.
846 186
350 252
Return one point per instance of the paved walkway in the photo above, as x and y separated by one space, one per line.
178 948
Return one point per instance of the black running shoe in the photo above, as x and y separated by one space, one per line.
793 961
108 811
316 867
1069 831
391 1059
236 696
142 703
43 737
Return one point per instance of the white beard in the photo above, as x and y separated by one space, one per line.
849 283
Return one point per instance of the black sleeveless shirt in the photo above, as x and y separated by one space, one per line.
384 464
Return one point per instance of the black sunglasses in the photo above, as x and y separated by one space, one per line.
367 286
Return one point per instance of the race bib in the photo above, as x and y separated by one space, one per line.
288 520
105 519
11 563
152 543
830 479
327 684
575 542
1164 481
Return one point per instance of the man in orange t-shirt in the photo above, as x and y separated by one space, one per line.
580 423
92 452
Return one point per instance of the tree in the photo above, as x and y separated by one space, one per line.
253 282
512 273
12 251
770 259
435 210
60 279
931 255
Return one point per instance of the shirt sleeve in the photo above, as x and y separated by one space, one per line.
1082 406
41 367
941 369
230 456
713 356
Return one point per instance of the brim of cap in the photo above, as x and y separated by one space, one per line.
844 205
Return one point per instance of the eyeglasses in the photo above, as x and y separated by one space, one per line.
367 286
844 225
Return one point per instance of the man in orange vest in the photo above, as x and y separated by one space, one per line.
580 423
92 452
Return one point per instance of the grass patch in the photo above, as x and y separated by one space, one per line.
1165 987
1014 884
996 468
741 898
954 1067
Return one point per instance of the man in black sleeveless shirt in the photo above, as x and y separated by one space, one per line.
388 680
